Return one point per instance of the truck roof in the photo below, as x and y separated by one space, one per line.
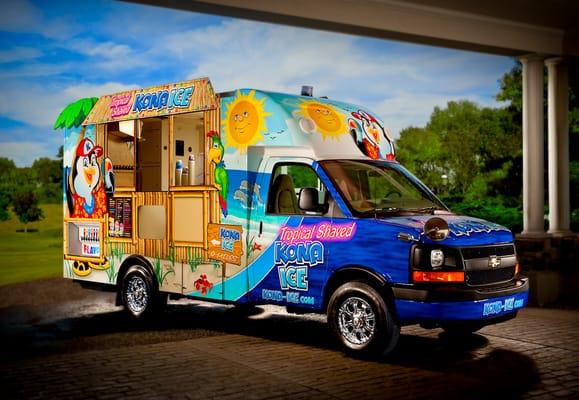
331 128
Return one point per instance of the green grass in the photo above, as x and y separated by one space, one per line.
32 255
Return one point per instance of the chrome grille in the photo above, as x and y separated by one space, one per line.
469 253
479 270
488 276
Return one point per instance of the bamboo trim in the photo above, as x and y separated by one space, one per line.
84 259
189 194
206 129
192 188
206 216
169 224
171 182
134 218
135 161
120 240
94 220
198 245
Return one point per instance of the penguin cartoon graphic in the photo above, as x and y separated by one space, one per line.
89 197
371 137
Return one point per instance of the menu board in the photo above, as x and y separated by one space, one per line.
84 239
89 238
120 217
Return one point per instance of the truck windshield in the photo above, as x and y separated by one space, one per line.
371 188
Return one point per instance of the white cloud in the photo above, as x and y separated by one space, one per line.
35 70
414 109
40 105
72 93
239 53
19 16
23 16
24 153
19 54
104 49
401 86
401 82
279 58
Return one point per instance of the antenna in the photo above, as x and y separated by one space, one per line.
307 91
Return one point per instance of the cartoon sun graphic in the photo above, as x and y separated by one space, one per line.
328 121
245 121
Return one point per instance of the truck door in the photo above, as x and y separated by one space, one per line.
287 260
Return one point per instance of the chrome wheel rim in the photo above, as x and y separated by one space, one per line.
356 320
137 294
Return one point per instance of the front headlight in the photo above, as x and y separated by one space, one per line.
436 258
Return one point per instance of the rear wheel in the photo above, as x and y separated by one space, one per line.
361 321
139 295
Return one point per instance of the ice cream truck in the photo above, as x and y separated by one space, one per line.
252 197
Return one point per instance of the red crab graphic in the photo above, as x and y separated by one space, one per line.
203 284
256 246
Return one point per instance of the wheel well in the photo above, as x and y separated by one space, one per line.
360 274
129 262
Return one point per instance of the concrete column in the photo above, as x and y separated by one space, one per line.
533 147
558 146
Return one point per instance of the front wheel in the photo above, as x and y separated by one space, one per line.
361 321
138 293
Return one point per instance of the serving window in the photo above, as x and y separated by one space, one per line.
187 150
158 153
121 149
159 172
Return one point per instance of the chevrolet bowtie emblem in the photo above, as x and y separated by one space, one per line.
494 262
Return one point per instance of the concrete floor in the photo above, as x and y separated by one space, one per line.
67 342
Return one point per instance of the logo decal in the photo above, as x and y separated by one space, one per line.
494 262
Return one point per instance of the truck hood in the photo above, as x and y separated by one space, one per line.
464 230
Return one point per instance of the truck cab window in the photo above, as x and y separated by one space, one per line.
297 189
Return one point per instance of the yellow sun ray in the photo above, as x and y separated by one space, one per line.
329 121
244 121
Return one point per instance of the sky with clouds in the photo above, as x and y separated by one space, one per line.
52 53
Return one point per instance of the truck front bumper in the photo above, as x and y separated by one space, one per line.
439 304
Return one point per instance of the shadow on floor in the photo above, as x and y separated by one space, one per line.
467 374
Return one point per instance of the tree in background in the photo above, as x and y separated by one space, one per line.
25 206
420 150
4 203
475 147
7 173
511 91
480 150
6 166
48 173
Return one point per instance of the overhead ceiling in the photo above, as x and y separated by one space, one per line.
509 27
560 14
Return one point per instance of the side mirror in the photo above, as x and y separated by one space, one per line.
308 200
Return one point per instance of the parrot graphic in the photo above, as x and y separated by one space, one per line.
216 151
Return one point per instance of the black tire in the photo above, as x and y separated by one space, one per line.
355 331
139 295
